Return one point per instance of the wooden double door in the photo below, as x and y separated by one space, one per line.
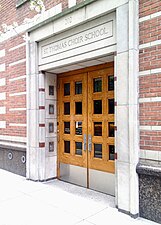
86 120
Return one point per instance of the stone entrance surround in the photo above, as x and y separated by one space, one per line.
41 164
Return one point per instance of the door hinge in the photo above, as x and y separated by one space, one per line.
115 155
58 137
58 165
58 84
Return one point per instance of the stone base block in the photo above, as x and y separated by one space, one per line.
13 159
150 191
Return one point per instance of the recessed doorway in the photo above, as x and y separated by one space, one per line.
86 149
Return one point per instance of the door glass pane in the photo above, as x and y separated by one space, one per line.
111 83
67 108
98 150
111 132
66 89
78 148
78 87
111 152
111 106
66 127
97 85
78 108
67 146
97 106
78 128
97 128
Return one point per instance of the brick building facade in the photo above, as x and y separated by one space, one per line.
84 43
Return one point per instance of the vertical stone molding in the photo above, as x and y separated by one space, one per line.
41 111
32 164
41 159
51 125
127 139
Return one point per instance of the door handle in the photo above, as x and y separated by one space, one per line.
89 142
84 142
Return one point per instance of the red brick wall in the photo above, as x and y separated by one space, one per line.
150 58
150 30
18 14
150 86
150 82
150 114
147 7
9 14
17 86
150 140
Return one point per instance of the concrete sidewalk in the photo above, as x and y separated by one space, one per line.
24 202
